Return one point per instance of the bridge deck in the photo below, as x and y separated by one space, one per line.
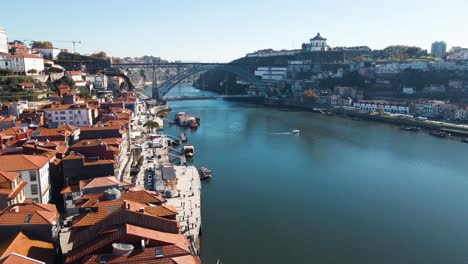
205 97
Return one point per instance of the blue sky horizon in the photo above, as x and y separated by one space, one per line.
220 31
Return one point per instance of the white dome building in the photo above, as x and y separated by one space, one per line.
318 43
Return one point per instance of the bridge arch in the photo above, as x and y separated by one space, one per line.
164 88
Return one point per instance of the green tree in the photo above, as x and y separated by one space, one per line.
41 44
5 72
100 54
65 80
32 71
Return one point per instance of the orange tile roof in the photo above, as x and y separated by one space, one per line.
22 162
15 258
29 85
40 214
70 189
74 72
7 118
11 194
186 260
15 131
161 210
8 176
104 209
21 244
24 55
169 238
49 132
102 182
55 107
143 196
170 253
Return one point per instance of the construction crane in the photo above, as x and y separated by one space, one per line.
71 41
68 41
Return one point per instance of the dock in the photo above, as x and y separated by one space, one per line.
183 137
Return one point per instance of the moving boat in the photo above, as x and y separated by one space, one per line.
295 131
205 173
412 129
189 151
438 134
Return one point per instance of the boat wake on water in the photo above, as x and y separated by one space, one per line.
293 132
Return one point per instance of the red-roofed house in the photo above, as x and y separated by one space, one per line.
34 170
11 189
29 249
40 220
77 167
25 63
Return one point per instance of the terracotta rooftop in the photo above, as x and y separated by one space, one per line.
8 176
29 214
15 258
74 72
104 209
22 162
7 118
24 55
143 196
10 193
102 182
28 85
23 245
70 189
161 210
170 254
103 240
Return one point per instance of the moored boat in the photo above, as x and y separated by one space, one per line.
464 140
189 151
408 128
183 119
205 173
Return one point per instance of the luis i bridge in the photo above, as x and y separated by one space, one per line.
185 70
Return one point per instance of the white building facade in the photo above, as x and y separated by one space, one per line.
34 170
3 41
430 108
79 115
49 53
386 106
23 63
272 73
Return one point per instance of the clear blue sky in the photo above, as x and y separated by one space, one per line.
219 30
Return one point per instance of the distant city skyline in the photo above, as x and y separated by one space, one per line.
208 30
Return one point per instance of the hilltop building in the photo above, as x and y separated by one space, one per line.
438 49
318 43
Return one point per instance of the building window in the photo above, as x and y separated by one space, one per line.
62 112
34 190
33 175
79 111
56 118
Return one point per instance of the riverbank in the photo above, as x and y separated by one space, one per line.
429 125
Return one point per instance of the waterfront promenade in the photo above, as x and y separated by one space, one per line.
185 194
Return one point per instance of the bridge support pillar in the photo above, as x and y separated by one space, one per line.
154 90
